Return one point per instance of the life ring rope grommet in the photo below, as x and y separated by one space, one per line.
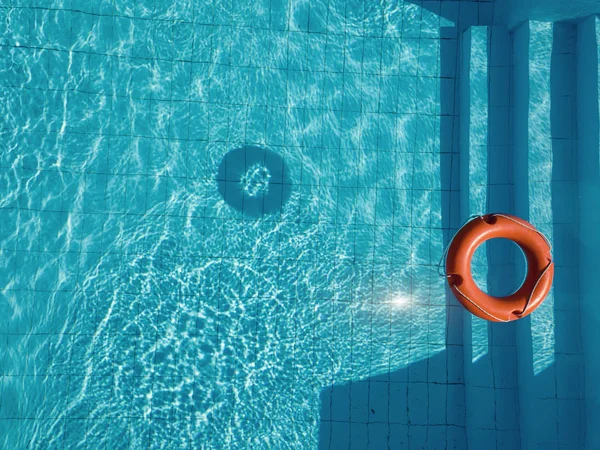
540 267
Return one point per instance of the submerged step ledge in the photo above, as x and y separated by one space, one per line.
588 151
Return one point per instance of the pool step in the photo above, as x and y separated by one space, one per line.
474 104
518 153
544 145
532 157
588 161
485 182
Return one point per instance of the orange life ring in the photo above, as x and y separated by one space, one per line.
540 268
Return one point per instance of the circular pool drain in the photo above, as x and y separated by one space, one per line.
253 180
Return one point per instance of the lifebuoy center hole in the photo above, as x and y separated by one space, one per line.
499 267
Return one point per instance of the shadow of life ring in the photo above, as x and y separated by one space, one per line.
254 180
540 267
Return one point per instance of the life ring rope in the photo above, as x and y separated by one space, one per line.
535 287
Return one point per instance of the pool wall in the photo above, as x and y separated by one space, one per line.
547 10
588 129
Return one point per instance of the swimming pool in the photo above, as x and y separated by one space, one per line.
221 224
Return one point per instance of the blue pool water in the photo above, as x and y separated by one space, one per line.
221 224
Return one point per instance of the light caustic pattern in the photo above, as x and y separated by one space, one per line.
540 178
140 308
